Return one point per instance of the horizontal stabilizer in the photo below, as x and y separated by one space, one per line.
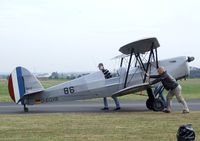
132 89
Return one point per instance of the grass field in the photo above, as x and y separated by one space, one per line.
117 126
191 89
112 126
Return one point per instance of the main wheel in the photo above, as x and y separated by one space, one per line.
158 105
149 104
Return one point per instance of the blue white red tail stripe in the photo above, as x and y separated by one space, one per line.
20 82
10 88
16 85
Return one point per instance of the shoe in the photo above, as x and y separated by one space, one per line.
118 108
166 111
185 112
105 108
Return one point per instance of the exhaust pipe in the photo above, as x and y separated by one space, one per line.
190 59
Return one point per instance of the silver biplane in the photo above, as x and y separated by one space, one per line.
25 88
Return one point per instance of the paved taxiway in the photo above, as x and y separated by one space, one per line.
88 106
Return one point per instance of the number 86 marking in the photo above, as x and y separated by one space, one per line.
69 90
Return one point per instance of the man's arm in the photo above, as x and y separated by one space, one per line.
155 81
158 78
154 76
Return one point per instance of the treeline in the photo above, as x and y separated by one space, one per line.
69 76
194 73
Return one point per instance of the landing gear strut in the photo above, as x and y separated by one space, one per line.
25 109
156 100
150 100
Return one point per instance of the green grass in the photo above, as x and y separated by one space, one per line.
140 126
190 89
4 96
111 126
51 82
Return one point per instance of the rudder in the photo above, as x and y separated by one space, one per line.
20 83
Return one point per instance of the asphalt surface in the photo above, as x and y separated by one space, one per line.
88 106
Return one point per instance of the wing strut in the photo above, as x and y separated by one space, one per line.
140 47
156 58
141 63
129 65
121 63
148 63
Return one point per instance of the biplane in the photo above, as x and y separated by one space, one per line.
142 55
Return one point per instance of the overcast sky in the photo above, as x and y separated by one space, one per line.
75 35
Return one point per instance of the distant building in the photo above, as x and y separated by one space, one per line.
43 75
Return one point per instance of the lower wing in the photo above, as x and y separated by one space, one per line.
131 89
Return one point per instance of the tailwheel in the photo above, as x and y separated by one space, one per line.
25 109
149 104
158 105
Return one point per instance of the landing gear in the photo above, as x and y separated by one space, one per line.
149 104
158 105
25 109
156 100
150 100
155 105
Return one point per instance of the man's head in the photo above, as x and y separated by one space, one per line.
100 66
161 70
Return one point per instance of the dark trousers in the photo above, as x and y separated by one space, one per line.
115 100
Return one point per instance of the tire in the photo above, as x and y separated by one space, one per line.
149 104
158 105
25 109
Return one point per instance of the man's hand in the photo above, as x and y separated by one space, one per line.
146 74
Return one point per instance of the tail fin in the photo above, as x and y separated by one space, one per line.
21 82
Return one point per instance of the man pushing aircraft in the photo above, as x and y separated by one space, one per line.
172 86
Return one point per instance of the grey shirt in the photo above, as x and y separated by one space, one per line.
167 80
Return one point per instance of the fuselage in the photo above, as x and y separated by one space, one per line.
95 85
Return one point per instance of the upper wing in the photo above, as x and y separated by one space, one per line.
140 46
120 56
131 89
